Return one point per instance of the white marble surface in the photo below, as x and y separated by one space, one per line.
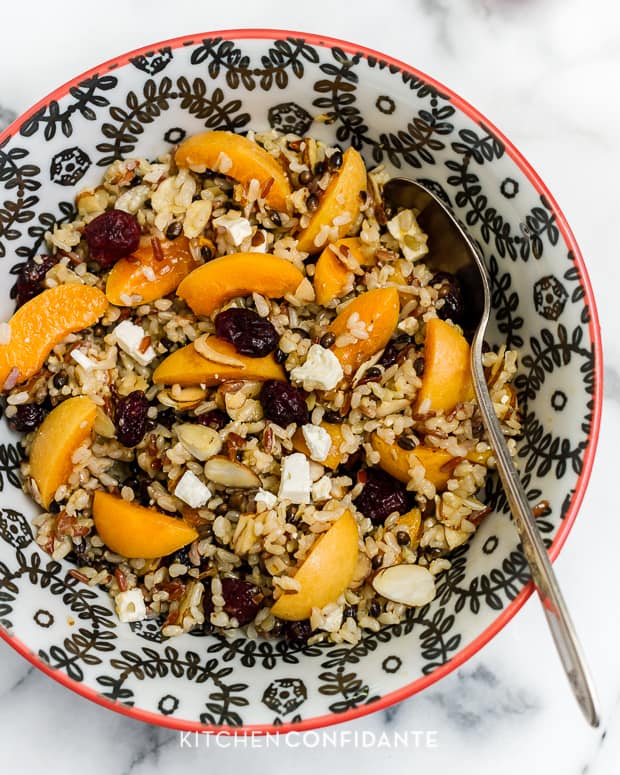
546 72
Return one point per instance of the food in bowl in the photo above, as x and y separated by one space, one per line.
245 396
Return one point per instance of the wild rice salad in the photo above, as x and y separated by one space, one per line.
247 391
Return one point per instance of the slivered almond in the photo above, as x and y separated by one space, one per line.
202 442
407 584
202 347
230 473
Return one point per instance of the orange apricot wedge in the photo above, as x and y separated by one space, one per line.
438 463
341 197
325 573
332 279
334 457
239 158
64 429
239 274
43 322
187 367
447 374
135 531
397 462
377 312
145 276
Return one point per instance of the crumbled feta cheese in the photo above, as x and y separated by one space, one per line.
411 239
82 360
238 228
130 605
192 491
265 499
321 371
318 440
322 490
295 482
129 337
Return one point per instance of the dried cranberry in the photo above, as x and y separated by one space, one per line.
297 633
112 236
215 419
382 495
131 418
30 278
27 418
390 354
247 331
242 599
283 404
450 291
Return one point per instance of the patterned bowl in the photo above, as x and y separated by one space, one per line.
140 104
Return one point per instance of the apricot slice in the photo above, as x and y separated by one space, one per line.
334 456
376 312
239 274
146 276
341 197
58 436
187 367
239 158
45 321
135 531
397 462
447 375
332 279
325 573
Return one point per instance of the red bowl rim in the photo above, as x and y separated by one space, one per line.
594 330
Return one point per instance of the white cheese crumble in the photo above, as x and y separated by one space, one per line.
130 605
82 360
238 228
318 440
129 337
265 499
295 482
322 489
192 491
411 239
321 371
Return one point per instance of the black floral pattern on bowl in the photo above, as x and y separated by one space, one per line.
394 116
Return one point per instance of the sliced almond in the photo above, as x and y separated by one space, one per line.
185 395
202 442
230 473
202 347
305 291
182 398
407 584
248 410
104 425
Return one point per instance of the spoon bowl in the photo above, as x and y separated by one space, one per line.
453 250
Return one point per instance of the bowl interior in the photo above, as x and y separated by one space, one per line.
142 104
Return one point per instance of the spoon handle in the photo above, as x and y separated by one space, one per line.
545 581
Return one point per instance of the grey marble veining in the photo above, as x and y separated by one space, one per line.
545 72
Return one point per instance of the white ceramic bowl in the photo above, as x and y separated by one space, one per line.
140 104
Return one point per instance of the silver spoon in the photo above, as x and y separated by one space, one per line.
453 250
